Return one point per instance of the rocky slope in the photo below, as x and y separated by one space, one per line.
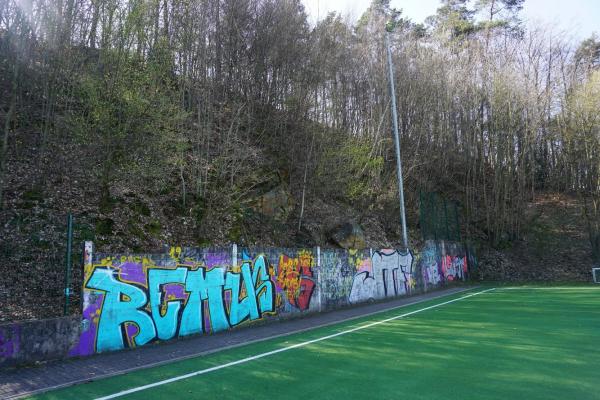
554 245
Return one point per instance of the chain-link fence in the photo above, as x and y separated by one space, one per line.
36 281
591 213
439 217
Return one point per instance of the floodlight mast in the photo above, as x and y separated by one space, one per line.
388 29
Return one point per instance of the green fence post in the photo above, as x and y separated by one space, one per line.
435 215
447 235
68 266
421 206
457 218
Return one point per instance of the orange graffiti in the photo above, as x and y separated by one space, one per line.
295 277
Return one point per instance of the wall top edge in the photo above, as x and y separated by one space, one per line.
256 249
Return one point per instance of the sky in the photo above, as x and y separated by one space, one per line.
580 17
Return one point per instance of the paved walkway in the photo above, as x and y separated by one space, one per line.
17 383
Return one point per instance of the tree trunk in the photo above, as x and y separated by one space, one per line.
9 116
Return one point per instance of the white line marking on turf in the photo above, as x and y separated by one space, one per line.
270 353
549 288
415 300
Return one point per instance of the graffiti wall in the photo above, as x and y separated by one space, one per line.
28 342
133 300
336 273
442 262
387 273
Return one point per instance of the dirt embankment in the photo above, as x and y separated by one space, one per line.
554 245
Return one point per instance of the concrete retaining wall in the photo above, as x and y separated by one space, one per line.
31 341
133 300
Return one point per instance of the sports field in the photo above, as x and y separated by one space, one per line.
487 343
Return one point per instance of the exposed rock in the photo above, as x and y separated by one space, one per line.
349 236
277 203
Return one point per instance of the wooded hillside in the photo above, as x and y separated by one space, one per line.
212 121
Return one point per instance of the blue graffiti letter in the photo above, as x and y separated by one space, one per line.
164 315
122 304
216 305
247 307
192 317
265 291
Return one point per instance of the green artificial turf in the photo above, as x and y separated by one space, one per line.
503 344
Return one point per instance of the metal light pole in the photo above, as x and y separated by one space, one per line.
396 138
68 266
